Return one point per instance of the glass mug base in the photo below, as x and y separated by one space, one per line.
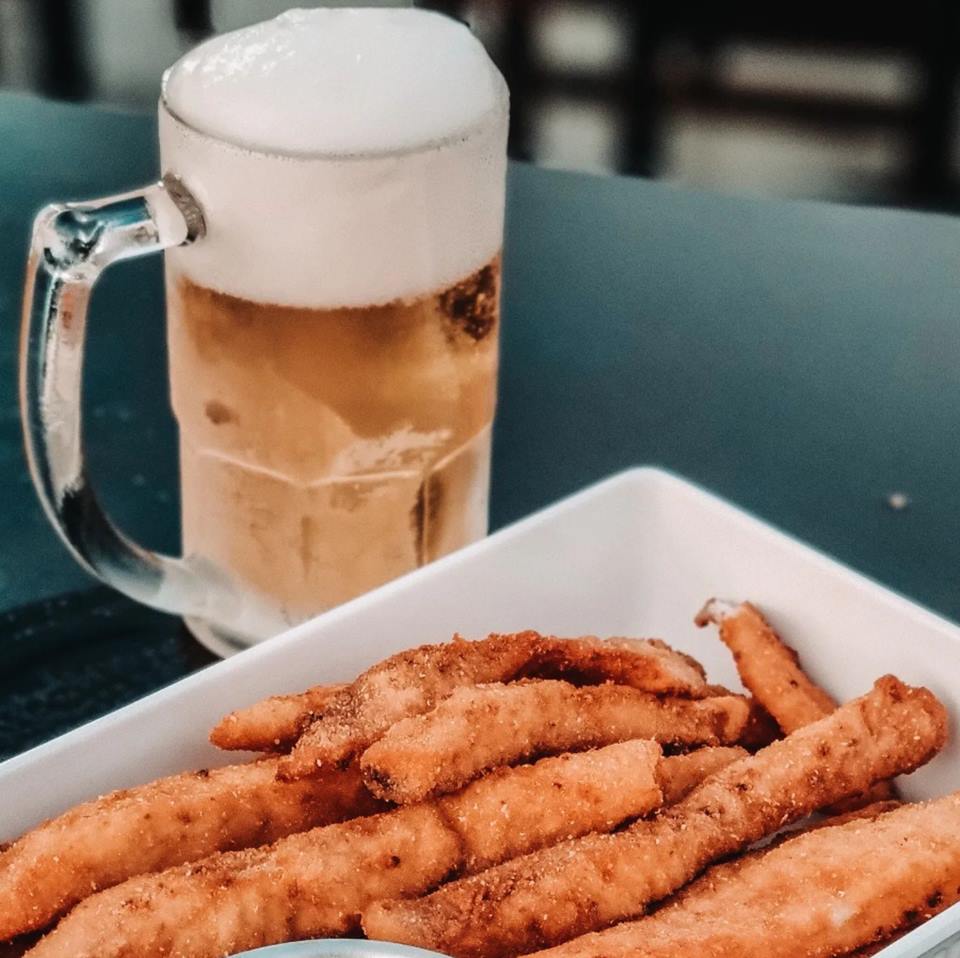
219 641
254 542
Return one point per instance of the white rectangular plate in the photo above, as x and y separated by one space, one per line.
635 555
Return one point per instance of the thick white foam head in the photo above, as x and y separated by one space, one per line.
341 156
336 81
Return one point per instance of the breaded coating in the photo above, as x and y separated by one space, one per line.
761 728
413 682
771 670
515 810
864 812
586 884
316 883
647 664
485 726
274 724
408 683
681 774
305 886
151 827
810 897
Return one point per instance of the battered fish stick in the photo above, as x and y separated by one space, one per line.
308 885
810 897
486 726
273 724
584 885
316 883
151 827
770 669
767 667
413 682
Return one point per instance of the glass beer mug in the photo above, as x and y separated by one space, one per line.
331 209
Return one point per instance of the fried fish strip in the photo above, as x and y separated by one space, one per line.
308 885
273 724
583 885
770 669
810 897
151 827
485 726
413 682
316 883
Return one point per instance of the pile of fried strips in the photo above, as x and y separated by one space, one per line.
519 794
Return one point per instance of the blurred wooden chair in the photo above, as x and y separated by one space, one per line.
927 36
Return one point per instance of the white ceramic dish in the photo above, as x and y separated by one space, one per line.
635 555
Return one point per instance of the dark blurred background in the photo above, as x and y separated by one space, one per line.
844 101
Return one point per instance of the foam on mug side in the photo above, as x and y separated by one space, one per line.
341 157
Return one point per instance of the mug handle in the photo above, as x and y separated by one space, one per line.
72 244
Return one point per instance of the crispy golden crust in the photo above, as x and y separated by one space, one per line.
761 728
680 774
810 897
413 682
405 684
513 811
316 883
151 827
586 884
307 885
485 726
274 724
771 670
864 812
647 664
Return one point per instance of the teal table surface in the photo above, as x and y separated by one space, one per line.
801 359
